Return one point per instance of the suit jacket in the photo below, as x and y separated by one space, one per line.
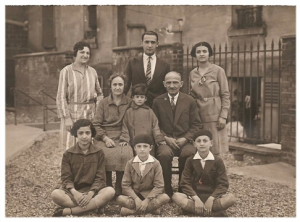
135 74
186 120
210 181
150 185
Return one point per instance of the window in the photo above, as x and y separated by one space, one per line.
48 37
249 16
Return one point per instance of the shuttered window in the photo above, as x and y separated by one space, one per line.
48 35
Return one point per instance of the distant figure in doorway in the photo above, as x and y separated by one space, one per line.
209 87
147 69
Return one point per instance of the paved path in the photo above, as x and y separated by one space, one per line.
279 172
20 137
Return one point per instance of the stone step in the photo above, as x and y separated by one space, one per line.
251 148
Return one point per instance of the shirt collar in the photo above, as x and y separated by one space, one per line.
175 97
145 57
149 160
210 156
76 149
124 100
74 67
134 106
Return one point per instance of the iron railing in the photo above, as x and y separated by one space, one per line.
253 72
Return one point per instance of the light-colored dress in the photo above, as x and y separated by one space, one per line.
212 94
75 98
108 122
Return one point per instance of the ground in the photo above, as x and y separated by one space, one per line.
31 177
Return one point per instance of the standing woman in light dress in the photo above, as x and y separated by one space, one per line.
209 87
77 91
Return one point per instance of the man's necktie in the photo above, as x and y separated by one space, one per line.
172 103
148 71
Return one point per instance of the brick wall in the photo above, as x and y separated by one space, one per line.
288 100
34 72
171 53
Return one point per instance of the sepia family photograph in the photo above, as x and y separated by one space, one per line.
136 110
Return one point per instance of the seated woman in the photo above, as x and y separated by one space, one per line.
83 185
108 124
204 181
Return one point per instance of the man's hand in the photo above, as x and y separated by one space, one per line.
221 123
172 142
181 142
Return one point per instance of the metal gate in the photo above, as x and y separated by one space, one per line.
254 76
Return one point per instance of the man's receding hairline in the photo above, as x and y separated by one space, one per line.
173 72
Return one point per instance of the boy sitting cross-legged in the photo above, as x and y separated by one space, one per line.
142 184
204 181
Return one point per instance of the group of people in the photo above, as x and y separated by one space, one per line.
138 136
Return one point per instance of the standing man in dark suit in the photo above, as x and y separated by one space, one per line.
178 121
147 69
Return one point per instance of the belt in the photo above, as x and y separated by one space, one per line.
209 98
88 102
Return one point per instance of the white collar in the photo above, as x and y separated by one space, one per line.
146 56
210 156
138 160
175 97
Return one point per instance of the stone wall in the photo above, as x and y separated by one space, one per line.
35 72
288 100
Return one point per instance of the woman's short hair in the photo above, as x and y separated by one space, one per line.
206 44
79 46
139 89
150 33
82 123
115 75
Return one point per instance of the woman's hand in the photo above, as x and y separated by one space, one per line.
123 144
68 123
221 123
86 199
109 143
144 205
208 206
78 197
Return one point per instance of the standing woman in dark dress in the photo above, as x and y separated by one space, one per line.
108 123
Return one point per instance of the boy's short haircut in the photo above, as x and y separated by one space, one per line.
82 123
142 138
139 89
202 132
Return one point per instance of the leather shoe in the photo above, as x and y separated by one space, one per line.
58 212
